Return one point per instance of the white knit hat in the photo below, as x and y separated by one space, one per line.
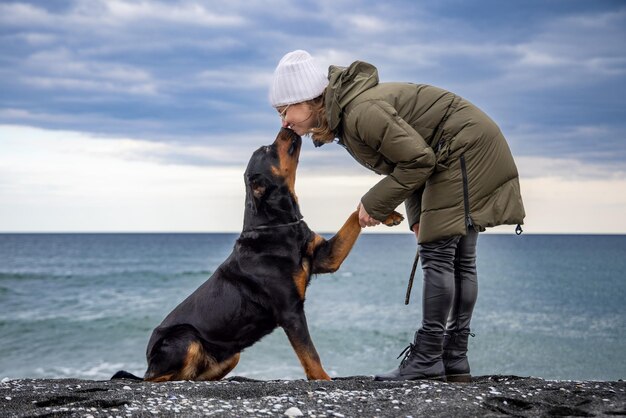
296 79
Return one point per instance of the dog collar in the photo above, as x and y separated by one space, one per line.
274 226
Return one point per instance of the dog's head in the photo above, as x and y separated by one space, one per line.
270 182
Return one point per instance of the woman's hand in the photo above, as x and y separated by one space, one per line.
364 218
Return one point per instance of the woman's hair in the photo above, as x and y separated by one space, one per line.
321 134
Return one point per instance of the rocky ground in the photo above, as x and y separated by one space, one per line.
345 397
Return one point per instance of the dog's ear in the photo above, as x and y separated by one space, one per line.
258 190
256 184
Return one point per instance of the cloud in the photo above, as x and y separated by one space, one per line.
178 12
185 82
571 49
234 78
367 23
63 70
35 39
72 181
115 13
581 206
76 182
595 144
15 14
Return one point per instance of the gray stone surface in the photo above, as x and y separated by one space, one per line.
356 396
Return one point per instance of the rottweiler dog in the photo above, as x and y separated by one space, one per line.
260 286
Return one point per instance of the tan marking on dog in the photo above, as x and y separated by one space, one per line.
313 244
163 378
301 278
290 180
310 363
195 362
341 243
287 164
394 219
217 371
199 366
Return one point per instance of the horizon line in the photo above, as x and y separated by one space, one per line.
318 232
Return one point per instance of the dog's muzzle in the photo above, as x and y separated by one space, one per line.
293 147
296 141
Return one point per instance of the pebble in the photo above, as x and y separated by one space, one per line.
293 412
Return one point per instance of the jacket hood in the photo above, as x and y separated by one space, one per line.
345 83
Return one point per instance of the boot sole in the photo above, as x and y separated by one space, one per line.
435 378
459 378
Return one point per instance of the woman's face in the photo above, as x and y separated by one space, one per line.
298 117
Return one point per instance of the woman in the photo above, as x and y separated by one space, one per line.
439 154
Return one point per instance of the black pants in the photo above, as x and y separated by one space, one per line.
450 283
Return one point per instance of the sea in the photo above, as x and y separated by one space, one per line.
84 305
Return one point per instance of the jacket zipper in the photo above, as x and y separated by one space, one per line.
468 216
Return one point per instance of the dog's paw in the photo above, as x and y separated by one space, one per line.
394 219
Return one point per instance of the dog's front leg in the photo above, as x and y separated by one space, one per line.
328 255
297 331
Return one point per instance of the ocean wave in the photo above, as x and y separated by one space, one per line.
31 276
103 370
106 274
207 273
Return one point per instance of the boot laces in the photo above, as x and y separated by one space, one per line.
407 352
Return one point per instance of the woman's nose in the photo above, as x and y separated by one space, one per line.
285 124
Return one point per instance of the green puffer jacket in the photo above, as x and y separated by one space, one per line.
441 155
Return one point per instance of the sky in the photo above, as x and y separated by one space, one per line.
140 116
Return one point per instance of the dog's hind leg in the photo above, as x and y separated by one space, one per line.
298 333
198 365
181 363
217 371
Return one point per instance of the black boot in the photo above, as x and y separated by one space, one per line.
455 356
421 361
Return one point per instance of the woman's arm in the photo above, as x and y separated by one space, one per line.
380 127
